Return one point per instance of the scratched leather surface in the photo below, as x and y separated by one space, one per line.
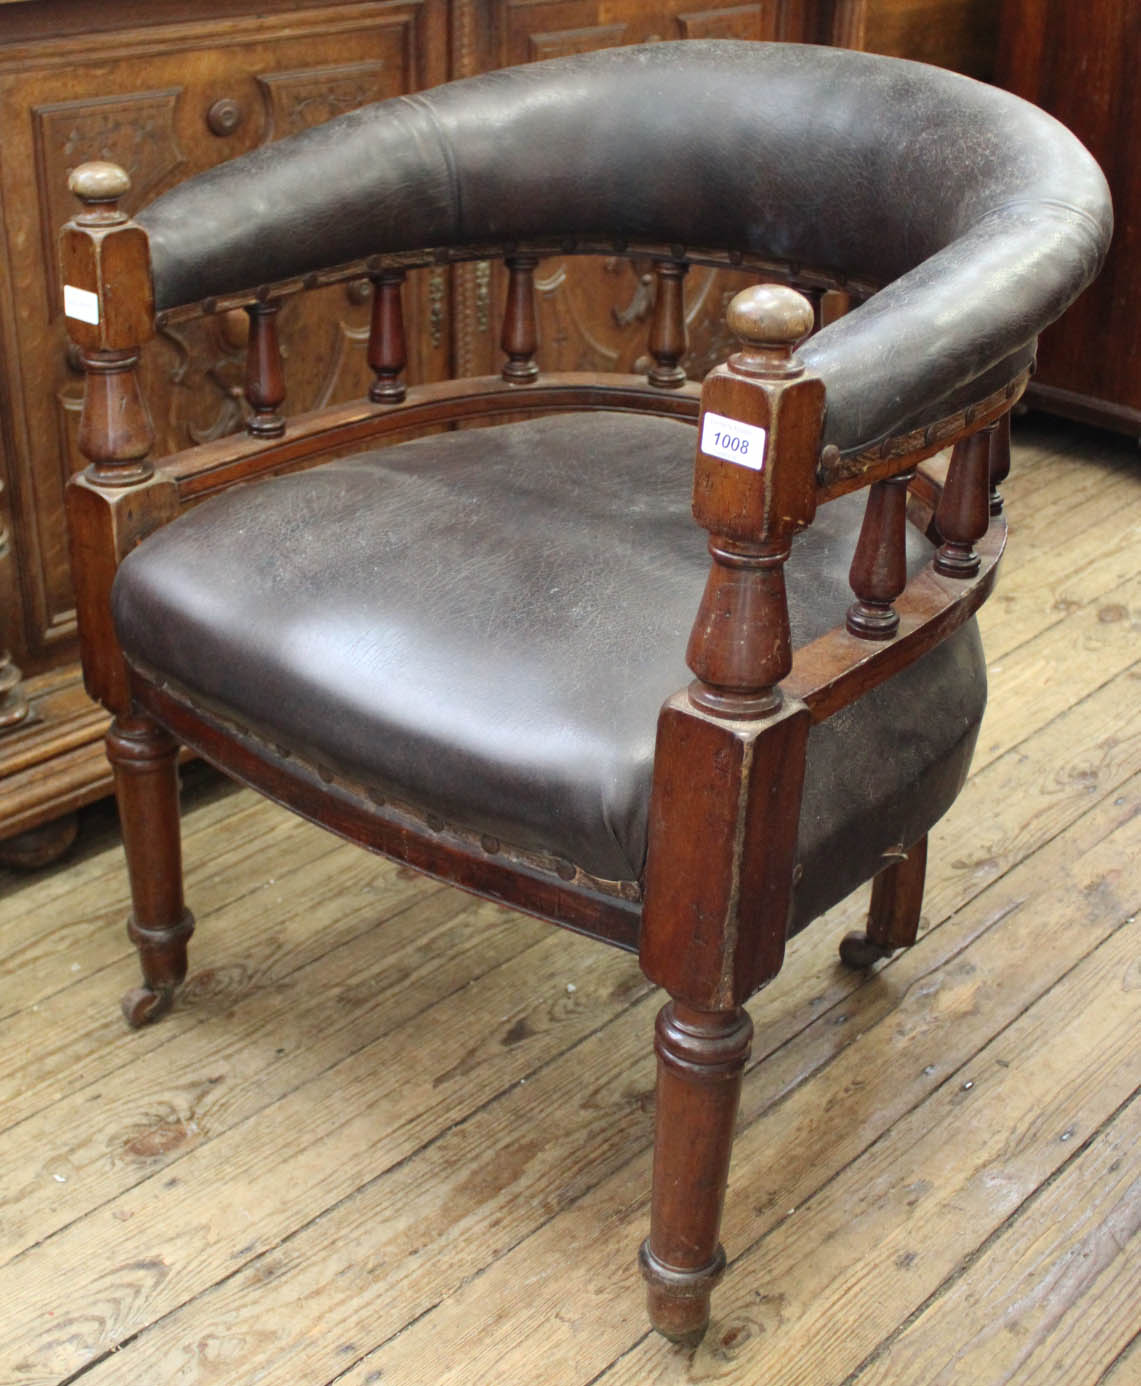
982 214
487 622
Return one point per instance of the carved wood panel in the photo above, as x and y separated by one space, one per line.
760 21
166 102
296 101
526 30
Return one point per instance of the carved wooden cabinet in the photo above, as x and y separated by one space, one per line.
194 85
1079 62
170 87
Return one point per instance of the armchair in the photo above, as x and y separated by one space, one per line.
469 651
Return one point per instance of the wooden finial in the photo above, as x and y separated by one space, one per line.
769 320
99 185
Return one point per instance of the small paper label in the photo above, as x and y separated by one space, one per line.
81 304
734 441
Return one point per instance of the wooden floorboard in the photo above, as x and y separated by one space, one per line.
393 1135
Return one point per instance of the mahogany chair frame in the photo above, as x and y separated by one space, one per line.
730 748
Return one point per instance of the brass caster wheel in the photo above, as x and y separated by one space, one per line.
858 951
142 1006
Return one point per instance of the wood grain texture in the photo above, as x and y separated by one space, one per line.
1060 1283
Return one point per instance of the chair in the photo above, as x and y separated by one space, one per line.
469 651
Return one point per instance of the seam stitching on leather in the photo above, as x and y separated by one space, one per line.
415 99
1052 202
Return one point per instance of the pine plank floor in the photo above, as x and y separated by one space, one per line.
391 1134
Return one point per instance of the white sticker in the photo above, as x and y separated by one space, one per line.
81 304
734 441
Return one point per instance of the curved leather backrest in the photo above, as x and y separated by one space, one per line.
982 215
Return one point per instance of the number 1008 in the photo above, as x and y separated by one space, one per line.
731 442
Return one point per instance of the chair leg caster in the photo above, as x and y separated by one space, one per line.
143 1006
678 1300
858 951
163 954
893 914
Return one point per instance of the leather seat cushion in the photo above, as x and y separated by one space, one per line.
485 623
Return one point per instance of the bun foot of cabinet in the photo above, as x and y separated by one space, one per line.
40 846
51 764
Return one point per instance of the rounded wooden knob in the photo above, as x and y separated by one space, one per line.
770 315
99 181
224 116
769 320
99 185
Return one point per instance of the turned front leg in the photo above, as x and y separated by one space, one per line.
725 800
701 1057
144 758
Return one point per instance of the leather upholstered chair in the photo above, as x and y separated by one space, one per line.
469 651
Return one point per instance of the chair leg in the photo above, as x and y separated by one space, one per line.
893 917
701 1057
144 759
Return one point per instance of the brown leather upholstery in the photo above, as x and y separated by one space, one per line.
981 213
484 625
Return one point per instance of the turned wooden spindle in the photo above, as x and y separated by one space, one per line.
265 378
963 512
816 298
999 435
520 322
879 568
667 328
834 304
101 245
387 351
754 486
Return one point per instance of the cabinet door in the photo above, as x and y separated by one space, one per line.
1080 64
166 102
594 312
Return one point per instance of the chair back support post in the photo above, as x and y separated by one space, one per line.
520 335
963 514
729 763
999 435
879 567
667 327
119 498
265 375
387 350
